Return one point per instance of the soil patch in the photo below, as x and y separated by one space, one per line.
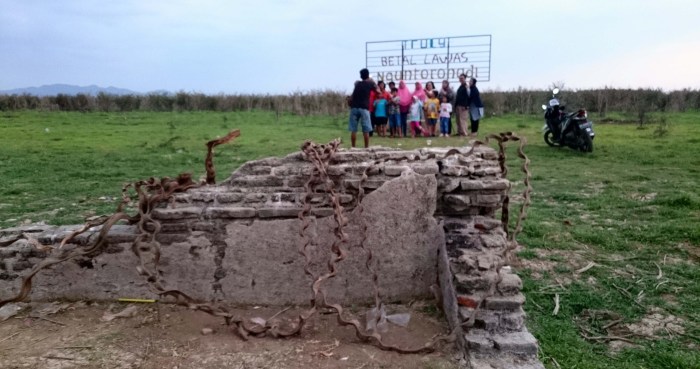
166 336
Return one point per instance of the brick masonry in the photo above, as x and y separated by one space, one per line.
237 241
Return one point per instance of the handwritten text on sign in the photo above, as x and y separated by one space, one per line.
430 58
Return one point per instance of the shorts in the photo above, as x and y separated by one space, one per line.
358 115
395 121
381 121
432 121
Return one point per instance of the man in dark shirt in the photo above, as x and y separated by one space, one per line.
462 105
359 107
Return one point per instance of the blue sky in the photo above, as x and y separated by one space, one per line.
283 46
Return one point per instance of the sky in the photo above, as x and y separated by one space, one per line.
285 46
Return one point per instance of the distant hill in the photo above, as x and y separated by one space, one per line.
55 89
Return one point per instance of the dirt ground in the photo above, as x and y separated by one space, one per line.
74 335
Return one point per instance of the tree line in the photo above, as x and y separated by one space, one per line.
519 101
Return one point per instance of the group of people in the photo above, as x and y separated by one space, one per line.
414 113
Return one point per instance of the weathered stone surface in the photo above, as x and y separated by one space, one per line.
448 184
503 361
512 322
177 213
255 198
276 212
405 250
522 343
478 341
493 240
257 181
476 185
505 302
510 284
458 201
425 168
487 200
229 197
470 284
230 212
395 170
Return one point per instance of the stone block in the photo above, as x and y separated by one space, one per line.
202 196
230 212
479 342
426 168
297 181
174 227
338 170
511 303
257 181
395 170
512 322
352 156
470 284
487 200
279 212
351 183
448 184
462 241
510 284
229 197
261 170
177 213
456 170
322 212
457 201
182 198
344 198
521 343
493 241
288 197
480 185
203 226
255 198
487 320
463 265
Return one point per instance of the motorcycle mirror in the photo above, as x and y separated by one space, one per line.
555 91
544 107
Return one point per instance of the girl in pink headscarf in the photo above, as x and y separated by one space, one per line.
419 92
405 101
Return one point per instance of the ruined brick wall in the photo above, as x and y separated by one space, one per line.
237 241
428 217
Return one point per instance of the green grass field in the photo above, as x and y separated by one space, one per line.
632 208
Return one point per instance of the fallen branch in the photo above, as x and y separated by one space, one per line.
50 321
627 294
607 338
661 274
8 337
587 267
614 322
58 357
73 347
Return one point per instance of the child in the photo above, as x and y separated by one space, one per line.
445 110
432 107
380 112
415 113
393 113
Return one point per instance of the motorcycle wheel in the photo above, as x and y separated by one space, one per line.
587 143
549 139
